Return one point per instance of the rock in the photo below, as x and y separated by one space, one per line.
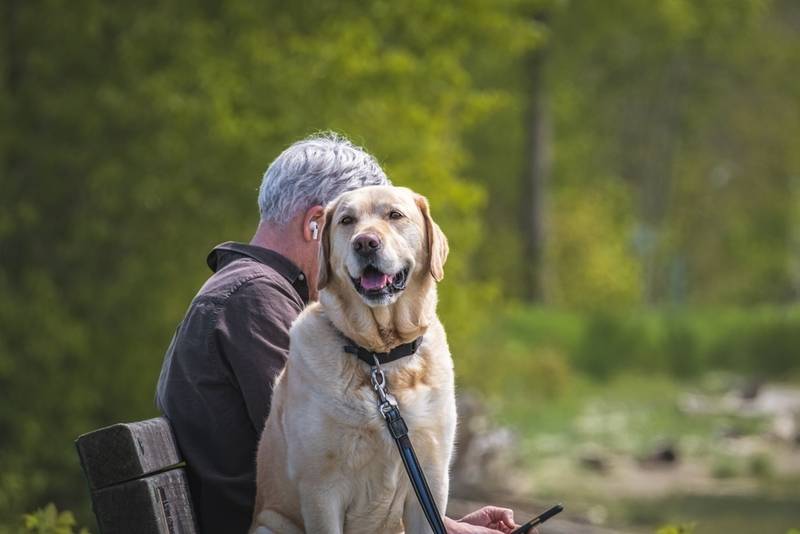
594 461
786 426
597 514
750 390
485 453
663 454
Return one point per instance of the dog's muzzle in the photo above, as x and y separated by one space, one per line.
375 284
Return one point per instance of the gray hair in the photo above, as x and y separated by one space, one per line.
315 171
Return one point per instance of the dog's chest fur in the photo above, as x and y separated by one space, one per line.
344 436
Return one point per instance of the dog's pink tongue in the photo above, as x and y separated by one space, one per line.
374 280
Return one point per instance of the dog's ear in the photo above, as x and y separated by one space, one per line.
325 248
437 242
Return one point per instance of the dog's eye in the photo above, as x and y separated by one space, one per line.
394 214
346 220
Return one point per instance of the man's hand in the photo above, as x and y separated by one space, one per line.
487 520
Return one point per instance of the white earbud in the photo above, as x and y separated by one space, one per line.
314 230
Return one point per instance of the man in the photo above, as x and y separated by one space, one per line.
216 380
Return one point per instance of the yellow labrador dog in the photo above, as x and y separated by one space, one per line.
326 461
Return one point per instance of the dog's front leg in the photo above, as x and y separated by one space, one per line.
323 508
413 516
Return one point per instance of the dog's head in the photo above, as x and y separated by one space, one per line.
379 241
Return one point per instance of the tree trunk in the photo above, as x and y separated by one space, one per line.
535 178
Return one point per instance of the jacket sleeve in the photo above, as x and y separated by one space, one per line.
252 337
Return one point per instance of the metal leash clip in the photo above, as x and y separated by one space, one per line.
386 399
387 406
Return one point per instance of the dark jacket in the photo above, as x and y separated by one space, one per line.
216 380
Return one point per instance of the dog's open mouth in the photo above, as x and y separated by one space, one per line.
373 283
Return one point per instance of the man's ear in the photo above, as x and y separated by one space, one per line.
325 248
437 242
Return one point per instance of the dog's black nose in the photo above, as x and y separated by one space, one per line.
366 244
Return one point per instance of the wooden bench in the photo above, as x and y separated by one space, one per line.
136 479
138 484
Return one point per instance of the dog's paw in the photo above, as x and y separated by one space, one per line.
271 522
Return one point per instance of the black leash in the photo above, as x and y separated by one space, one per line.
387 406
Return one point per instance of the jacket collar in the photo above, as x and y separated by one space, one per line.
225 253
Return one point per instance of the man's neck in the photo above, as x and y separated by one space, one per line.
277 238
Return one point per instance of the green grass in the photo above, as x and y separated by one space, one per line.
719 514
543 370
545 374
634 412
629 413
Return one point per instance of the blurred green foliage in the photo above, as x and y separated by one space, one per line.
49 520
724 514
676 529
133 137
133 140
674 146
725 466
758 342
761 465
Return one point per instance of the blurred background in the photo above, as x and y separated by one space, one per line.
619 181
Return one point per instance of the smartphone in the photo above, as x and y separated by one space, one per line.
539 519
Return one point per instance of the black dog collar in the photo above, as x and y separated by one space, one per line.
366 356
